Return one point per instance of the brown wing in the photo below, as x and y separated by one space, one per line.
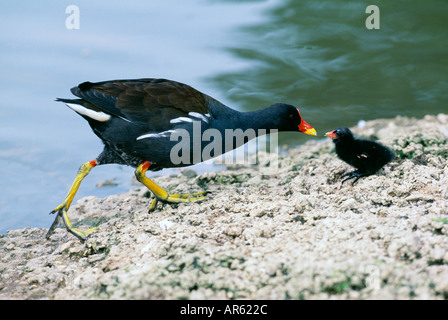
147 102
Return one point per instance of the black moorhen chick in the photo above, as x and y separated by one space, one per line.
366 156
141 121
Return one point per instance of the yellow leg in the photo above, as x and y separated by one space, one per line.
162 195
62 209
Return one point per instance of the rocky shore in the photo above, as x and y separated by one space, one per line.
294 234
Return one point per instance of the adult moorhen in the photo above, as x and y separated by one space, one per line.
141 122
365 155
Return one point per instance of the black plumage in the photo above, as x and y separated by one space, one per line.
141 122
365 155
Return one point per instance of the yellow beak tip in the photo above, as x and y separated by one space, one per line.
311 132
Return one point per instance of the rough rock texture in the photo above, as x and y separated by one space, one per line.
294 234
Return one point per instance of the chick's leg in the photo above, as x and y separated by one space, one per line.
354 175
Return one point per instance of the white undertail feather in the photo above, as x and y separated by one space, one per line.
95 115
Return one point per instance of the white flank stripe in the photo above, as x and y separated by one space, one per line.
194 116
155 135
181 119
95 115
199 116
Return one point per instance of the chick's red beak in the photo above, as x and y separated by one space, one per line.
332 134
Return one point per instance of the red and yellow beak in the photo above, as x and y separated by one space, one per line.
306 128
